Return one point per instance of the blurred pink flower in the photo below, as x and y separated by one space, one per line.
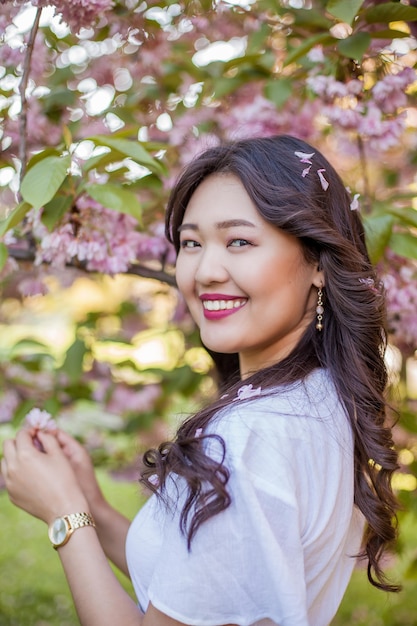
34 286
400 282
78 13
389 93
9 402
41 420
126 399
105 240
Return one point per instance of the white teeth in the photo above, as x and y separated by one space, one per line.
222 305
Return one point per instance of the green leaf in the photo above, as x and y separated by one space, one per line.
133 149
3 255
355 46
54 210
389 33
378 231
404 244
116 198
44 179
307 45
390 12
311 18
279 90
258 38
73 364
30 348
344 11
39 156
407 215
14 217
224 85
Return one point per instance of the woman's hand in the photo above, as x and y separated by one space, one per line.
83 468
43 483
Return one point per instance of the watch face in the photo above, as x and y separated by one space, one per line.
58 531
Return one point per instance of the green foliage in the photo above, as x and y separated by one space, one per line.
354 47
43 180
133 149
344 11
14 217
117 198
3 255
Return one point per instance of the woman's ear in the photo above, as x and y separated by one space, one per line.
318 279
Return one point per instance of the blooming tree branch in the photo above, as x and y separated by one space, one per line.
23 95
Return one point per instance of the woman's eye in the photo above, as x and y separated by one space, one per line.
189 243
239 243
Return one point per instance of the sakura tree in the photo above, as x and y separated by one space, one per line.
103 101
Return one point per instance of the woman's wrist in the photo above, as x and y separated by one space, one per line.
76 503
99 508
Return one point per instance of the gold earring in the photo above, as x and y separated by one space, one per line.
319 309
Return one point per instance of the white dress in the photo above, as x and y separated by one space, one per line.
283 552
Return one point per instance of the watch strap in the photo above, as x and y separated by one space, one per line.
78 520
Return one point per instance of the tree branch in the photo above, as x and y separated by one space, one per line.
364 166
22 91
28 254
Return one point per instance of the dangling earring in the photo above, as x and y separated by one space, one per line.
319 309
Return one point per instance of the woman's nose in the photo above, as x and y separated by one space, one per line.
211 267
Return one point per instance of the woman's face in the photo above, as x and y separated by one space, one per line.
247 284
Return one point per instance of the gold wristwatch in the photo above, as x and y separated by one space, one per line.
62 528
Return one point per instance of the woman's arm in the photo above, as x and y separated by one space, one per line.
111 525
45 485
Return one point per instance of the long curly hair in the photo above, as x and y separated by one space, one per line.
351 345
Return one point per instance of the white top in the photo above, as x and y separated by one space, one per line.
282 552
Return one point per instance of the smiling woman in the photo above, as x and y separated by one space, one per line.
265 497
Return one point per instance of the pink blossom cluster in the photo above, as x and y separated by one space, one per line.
76 13
104 240
101 239
40 131
154 245
33 383
126 399
9 402
372 113
400 281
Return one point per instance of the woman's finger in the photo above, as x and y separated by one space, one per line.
9 449
3 468
49 442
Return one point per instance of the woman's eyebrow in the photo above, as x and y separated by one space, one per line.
219 225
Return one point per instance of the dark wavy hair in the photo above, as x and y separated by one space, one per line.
351 345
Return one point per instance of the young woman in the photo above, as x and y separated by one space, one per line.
265 497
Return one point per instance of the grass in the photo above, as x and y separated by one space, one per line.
33 590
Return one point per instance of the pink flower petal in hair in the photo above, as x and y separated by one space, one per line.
154 480
324 183
247 391
370 283
305 157
354 205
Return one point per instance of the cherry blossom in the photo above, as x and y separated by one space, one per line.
40 420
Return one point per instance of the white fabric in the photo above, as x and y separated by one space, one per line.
281 554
